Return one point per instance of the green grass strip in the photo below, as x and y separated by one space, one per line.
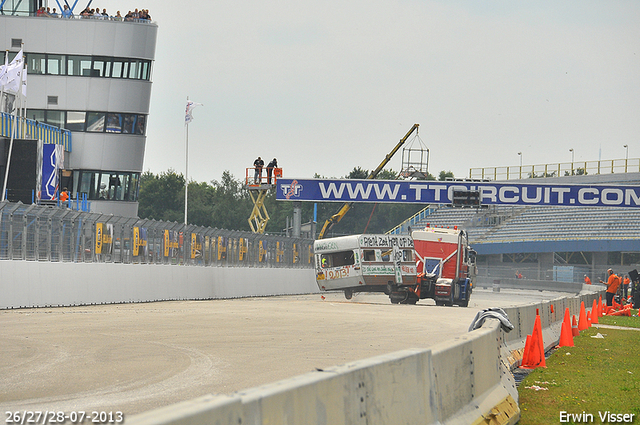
598 376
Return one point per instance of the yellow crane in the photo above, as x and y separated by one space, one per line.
347 206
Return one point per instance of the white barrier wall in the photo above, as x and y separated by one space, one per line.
463 381
44 284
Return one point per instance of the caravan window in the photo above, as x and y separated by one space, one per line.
386 255
368 255
338 259
407 255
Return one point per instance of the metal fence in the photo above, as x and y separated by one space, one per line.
39 233
610 166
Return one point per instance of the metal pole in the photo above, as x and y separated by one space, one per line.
186 167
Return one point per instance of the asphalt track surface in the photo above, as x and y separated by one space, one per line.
136 357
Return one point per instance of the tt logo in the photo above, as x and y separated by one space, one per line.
293 189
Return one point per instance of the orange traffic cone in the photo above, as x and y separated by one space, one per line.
594 313
600 308
574 327
527 350
534 356
566 336
582 321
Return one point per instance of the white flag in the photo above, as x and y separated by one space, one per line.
3 72
188 117
13 77
24 83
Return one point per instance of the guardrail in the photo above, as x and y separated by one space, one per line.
612 166
404 226
31 129
463 381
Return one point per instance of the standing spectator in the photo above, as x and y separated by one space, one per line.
64 196
118 16
587 281
258 164
66 12
270 166
625 286
612 286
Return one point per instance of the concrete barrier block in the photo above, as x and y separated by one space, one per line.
394 388
453 367
209 409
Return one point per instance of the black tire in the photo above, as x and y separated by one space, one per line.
449 301
411 299
348 294
398 297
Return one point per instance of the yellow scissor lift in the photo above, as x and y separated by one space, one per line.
258 189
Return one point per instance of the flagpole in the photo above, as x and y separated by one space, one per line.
186 167
6 171
13 130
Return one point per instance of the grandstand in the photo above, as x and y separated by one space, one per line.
539 239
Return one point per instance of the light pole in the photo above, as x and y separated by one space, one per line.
572 152
626 157
520 155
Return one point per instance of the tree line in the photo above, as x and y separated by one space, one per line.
226 204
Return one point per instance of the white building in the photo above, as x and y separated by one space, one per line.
93 77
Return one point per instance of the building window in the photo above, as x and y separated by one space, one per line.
36 63
55 118
56 65
75 120
106 185
88 66
93 122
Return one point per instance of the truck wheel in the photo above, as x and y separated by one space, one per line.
411 299
398 297
449 301
348 294
464 303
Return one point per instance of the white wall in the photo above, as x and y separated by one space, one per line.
40 284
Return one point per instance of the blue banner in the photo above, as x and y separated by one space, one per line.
49 171
436 192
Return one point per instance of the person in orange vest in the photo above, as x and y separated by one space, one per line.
612 286
64 195
587 281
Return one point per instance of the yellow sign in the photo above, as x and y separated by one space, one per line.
99 231
295 253
222 248
195 246
136 241
244 247
166 243
279 252
261 252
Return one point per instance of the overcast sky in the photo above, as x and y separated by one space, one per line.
328 86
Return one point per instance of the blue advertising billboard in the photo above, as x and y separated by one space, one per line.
437 192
